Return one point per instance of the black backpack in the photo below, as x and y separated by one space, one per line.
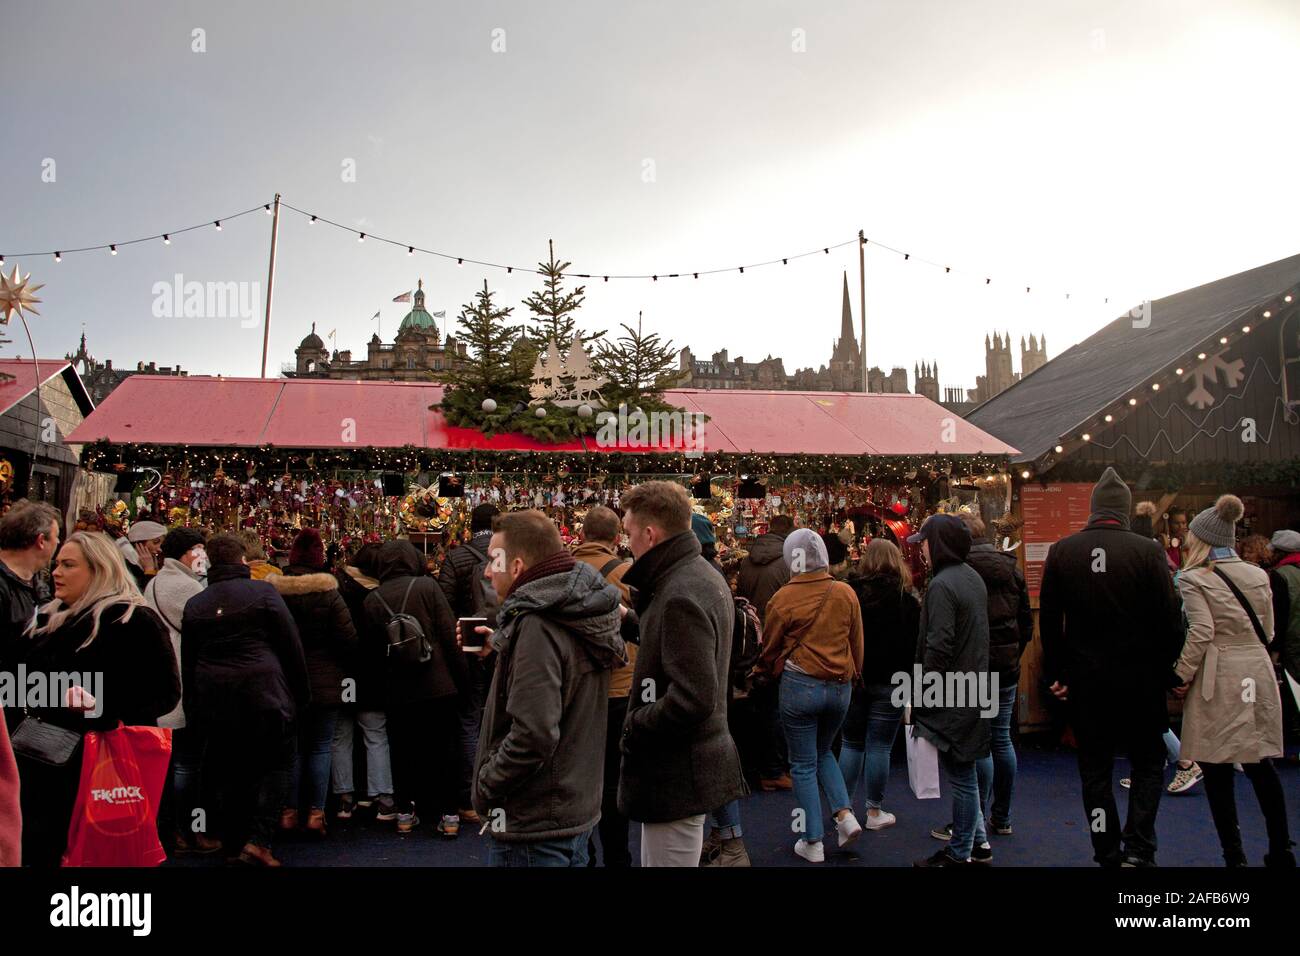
746 646
486 602
406 639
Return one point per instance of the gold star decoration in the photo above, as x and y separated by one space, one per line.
16 295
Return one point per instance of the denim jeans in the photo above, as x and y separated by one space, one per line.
869 732
188 747
470 715
379 770
997 776
567 851
1172 746
315 741
967 819
812 712
726 820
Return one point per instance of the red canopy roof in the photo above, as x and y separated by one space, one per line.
23 382
321 413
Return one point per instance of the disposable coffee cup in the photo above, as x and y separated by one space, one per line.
472 640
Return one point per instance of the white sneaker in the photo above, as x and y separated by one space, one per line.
880 821
848 828
812 852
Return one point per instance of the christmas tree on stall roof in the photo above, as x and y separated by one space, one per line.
553 309
489 371
638 366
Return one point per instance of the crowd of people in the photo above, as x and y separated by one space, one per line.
553 696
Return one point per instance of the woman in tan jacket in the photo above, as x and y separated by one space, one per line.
1233 711
812 642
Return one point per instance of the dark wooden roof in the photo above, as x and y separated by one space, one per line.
1079 383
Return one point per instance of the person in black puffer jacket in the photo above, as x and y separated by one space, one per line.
1011 627
329 640
244 684
891 615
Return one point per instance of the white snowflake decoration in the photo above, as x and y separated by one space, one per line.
1233 373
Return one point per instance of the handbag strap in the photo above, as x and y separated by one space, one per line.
811 621
1241 599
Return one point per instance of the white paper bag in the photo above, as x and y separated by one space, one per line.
922 765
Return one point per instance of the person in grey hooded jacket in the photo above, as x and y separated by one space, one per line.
539 772
953 653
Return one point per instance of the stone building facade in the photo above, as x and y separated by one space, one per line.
100 378
417 352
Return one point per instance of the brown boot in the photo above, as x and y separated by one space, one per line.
202 843
731 853
710 849
288 819
469 816
255 855
316 822
782 782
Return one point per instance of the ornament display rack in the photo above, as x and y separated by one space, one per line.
341 492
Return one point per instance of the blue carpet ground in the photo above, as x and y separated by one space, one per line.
1047 814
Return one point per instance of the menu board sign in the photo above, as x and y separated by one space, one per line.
1050 512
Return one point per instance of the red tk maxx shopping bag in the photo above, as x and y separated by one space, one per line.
115 817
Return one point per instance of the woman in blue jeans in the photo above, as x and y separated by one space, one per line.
890 615
812 643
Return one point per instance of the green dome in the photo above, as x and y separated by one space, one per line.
418 318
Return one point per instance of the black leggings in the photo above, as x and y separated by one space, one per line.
1223 805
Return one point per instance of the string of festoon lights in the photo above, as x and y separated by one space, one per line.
461 260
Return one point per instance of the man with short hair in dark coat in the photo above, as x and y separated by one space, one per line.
679 761
1111 632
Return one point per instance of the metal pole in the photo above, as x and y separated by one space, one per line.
270 280
862 300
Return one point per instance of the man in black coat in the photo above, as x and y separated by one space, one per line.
1111 632
461 580
245 683
679 761
423 698
1011 627
761 575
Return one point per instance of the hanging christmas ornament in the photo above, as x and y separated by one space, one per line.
489 405
541 412
584 411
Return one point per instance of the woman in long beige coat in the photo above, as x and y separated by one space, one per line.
1233 711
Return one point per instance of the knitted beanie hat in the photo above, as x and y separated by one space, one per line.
1217 526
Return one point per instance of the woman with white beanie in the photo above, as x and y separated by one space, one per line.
1233 712
812 643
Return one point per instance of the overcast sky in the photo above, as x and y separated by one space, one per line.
1105 149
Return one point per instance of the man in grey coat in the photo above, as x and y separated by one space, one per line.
957 693
679 761
539 772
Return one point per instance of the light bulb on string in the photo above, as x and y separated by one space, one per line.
217 223
112 250
167 240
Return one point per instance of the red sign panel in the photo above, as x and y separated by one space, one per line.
1050 512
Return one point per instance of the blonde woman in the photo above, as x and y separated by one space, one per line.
1233 711
98 628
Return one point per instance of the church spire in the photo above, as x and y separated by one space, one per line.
846 323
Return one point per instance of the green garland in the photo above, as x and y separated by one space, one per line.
271 461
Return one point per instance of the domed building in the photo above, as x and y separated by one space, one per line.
417 353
